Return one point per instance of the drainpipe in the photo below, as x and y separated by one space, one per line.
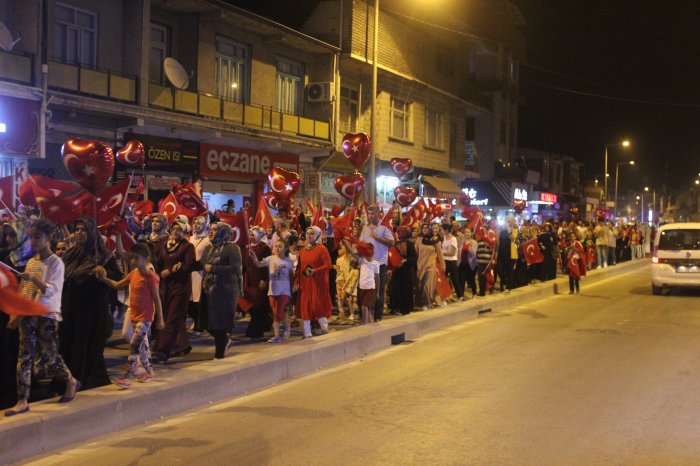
43 51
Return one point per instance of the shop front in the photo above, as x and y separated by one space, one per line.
238 174
168 161
545 206
495 199
442 191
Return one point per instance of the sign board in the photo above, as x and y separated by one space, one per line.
162 183
520 194
19 122
312 180
227 187
550 198
238 163
166 154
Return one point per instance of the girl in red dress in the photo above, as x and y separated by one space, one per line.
312 281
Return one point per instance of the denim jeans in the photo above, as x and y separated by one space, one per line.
611 255
381 293
602 255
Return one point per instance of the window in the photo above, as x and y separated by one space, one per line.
433 129
349 109
504 131
288 89
470 129
75 36
232 67
400 122
679 239
160 49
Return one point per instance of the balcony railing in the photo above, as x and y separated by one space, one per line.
16 67
250 115
107 84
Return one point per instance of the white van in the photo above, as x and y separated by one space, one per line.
676 257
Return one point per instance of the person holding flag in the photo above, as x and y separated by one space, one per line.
576 262
382 238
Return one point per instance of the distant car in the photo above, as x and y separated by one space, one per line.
676 257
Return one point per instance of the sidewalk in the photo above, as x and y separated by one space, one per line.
196 380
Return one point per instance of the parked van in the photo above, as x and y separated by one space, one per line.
676 257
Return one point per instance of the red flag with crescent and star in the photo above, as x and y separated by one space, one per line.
531 251
168 206
263 217
318 216
239 225
12 302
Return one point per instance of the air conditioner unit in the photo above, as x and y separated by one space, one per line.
319 92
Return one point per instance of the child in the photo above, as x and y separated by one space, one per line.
143 297
281 272
576 262
342 267
42 281
368 280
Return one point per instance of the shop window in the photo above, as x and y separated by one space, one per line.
288 90
349 109
75 36
401 120
232 66
160 49
433 129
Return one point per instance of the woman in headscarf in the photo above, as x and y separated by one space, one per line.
175 263
221 285
429 250
255 281
403 277
87 319
200 241
158 236
312 281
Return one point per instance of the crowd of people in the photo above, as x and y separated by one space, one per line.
188 277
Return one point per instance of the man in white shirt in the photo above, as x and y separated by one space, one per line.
382 238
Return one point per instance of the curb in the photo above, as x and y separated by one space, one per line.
107 409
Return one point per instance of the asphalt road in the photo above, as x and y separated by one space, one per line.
610 376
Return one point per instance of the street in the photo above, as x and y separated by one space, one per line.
609 376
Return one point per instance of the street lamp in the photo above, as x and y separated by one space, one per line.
653 203
624 143
617 178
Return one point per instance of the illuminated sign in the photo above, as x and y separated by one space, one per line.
446 206
471 192
520 194
550 198
3 127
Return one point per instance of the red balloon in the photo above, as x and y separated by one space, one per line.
273 202
90 163
519 205
401 166
132 154
283 184
465 200
574 210
356 148
350 186
405 195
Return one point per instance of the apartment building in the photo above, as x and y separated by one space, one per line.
99 70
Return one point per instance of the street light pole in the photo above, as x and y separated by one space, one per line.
373 112
605 174
617 178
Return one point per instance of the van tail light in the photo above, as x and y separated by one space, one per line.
655 260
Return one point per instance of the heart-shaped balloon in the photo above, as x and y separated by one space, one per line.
356 148
132 154
401 166
405 195
273 202
350 186
519 205
283 183
465 200
90 163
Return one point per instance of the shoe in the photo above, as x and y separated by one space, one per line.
425 308
274 340
442 303
571 292
307 337
145 378
507 291
121 382
576 291
12 412
229 344
68 399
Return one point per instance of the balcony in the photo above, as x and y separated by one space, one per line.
248 115
106 84
16 67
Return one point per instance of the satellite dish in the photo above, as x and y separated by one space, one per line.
176 73
6 41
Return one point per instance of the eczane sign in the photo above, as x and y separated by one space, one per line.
235 162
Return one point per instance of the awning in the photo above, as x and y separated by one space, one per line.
442 187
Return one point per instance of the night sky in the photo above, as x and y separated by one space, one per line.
596 72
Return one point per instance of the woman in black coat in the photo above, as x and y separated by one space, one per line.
403 278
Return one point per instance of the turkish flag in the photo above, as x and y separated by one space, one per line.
64 208
490 278
110 200
239 225
342 227
531 251
187 196
442 284
317 217
14 303
263 217
168 206
7 185
48 186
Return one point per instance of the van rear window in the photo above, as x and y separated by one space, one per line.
680 239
